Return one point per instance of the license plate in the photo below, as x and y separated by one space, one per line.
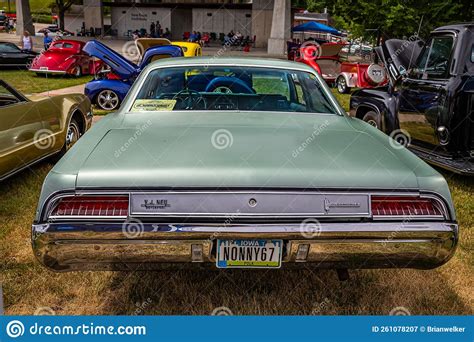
44 68
249 253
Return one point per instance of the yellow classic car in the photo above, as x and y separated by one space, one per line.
189 49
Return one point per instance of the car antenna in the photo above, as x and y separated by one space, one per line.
418 35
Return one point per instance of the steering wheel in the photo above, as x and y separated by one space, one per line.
228 85
190 98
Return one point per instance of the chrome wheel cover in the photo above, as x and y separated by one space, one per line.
108 100
372 123
341 84
72 135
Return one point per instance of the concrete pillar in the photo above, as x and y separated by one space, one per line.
262 14
24 21
93 15
281 27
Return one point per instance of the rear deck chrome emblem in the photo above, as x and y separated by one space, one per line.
252 202
155 204
328 205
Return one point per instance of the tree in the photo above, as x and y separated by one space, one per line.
394 18
62 6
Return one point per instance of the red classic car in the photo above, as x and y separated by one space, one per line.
65 57
326 60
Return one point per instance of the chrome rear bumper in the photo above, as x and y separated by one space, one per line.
116 246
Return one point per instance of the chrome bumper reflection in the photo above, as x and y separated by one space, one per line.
105 246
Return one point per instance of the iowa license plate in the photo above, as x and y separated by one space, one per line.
249 253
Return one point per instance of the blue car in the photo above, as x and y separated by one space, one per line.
107 91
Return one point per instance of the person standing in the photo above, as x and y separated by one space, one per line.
152 30
167 33
47 40
159 31
11 24
26 41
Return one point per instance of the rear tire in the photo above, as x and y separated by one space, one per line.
77 72
73 134
373 119
341 85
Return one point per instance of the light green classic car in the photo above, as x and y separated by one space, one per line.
240 163
34 129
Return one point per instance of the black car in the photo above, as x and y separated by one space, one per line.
12 56
429 102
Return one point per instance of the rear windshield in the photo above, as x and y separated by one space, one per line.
232 88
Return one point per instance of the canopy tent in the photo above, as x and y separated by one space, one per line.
313 26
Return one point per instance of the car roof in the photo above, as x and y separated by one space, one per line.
455 27
234 61
69 41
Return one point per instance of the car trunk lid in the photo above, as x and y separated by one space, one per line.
247 150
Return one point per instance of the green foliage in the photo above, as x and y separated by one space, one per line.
395 18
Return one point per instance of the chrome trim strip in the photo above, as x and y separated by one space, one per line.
48 71
55 197
237 204
290 228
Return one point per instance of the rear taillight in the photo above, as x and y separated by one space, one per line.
406 207
91 206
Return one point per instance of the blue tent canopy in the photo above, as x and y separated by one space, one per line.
313 26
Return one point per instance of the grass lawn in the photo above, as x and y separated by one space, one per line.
28 82
27 286
35 5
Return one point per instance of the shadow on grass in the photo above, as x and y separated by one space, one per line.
282 292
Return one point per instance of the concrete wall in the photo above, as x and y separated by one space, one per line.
184 20
74 22
181 21
262 15
93 14
222 20
125 18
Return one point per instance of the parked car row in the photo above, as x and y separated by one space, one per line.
335 69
